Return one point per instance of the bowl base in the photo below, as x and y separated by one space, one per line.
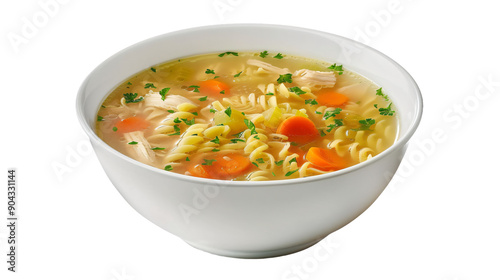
253 254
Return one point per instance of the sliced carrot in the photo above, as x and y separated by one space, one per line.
229 166
214 88
330 98
131 124
301 154
199 170
224 166
325 159
298 129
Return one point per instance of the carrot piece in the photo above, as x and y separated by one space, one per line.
325 159
199 170
331 98
131 124
214 88
298 129
229 166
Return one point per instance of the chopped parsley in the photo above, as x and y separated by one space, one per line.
338 122
273 174
133 143
254 163
203 98
171 111
177 130
149 85
237 75
153 69
222 91
102 106
115 128
176 120
337 68
215 150
195 88
278 56
260 160
194 113
256 137
157 149
285 78
228 111
209 71
213 111
322 133
100 119
187 159
385 111
365 124
293 160
188 122
263 54
131 98
216 140
234 140
208 161
168 167
250 126
297 91
269 93
228 53
331 114
319 113
279 163
215 77
163 93
291 172
380 93
129 83
311 102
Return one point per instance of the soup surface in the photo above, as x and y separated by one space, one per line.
248 116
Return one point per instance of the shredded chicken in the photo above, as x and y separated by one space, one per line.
302 77
267 67
142 149
311 79
153 99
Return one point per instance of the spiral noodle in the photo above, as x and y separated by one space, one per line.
187 144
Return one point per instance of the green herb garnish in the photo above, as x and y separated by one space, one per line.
203 98
380 93
213 111
291 172
215 150
222 91
260 160
216 140
194 113
234 140
131 98
195 88
250 126
311 102
293 160
297 91
129 83
177 130
133 143
188 122
157 149
171 111
263 54
331 114
228 53
322 133
365 124
153 69
337 68
237 75
176 120
278 56
168 167
163 93
254 163
228 111
208 161
279 163
115 128
385 111
209 71
149 85
269 93
187 159
338 122
285 78
100 119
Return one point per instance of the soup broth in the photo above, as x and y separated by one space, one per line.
248 116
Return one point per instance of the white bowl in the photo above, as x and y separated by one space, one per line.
251 219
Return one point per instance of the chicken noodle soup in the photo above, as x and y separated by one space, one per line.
248 116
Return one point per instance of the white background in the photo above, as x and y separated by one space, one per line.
439 218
